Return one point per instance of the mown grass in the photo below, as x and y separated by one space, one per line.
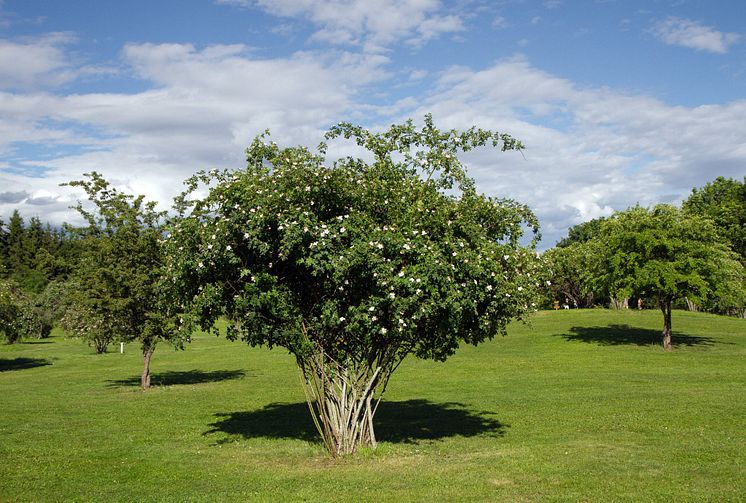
577 406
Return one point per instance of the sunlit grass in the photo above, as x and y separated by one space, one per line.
577 406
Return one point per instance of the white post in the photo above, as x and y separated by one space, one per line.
121 347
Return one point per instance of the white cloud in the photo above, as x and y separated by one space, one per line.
590 151
35 63
371 24
691 34
202 109
500 22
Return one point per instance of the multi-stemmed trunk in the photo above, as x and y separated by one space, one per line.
341 397
665 305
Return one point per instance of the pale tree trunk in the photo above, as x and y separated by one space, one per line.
690 306
341 400
619 304
147 353
666 308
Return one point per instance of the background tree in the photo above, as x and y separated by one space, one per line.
20 316
9 313
117 280
665 254
582 232
724 202
353 267
571 278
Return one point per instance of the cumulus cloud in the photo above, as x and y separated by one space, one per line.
13 197
201 110
35 63
590 151
372 24
691 34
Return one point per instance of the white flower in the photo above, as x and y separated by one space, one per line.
507 295
401 274
209 247
549 283
418 291
200 265
506 257
392 295
246 235
520 288
489 288
341 319
308 188
228 248
371 309
383 330
374 318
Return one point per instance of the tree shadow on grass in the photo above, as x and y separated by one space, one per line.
617 335
22 363
407 421
172 378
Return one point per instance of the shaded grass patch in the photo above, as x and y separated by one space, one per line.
22 363
406 421
614 335
181 377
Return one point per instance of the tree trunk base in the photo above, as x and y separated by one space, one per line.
341 403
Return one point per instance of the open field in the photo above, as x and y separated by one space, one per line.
579 406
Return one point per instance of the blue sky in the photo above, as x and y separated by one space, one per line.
618 102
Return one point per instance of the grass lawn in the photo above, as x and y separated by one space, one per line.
578 406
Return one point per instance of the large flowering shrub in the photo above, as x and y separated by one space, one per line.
354 265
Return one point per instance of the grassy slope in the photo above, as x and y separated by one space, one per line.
579 406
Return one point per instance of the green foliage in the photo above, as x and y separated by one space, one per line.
21 317
363 261
582 233
724 202
9 313
114 293
33 255
572 280
663 253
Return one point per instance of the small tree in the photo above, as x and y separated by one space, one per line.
119 273
10 314
354 266
570 277
665 254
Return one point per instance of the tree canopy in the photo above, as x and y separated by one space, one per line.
354 265
724 202
665 254
116 286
